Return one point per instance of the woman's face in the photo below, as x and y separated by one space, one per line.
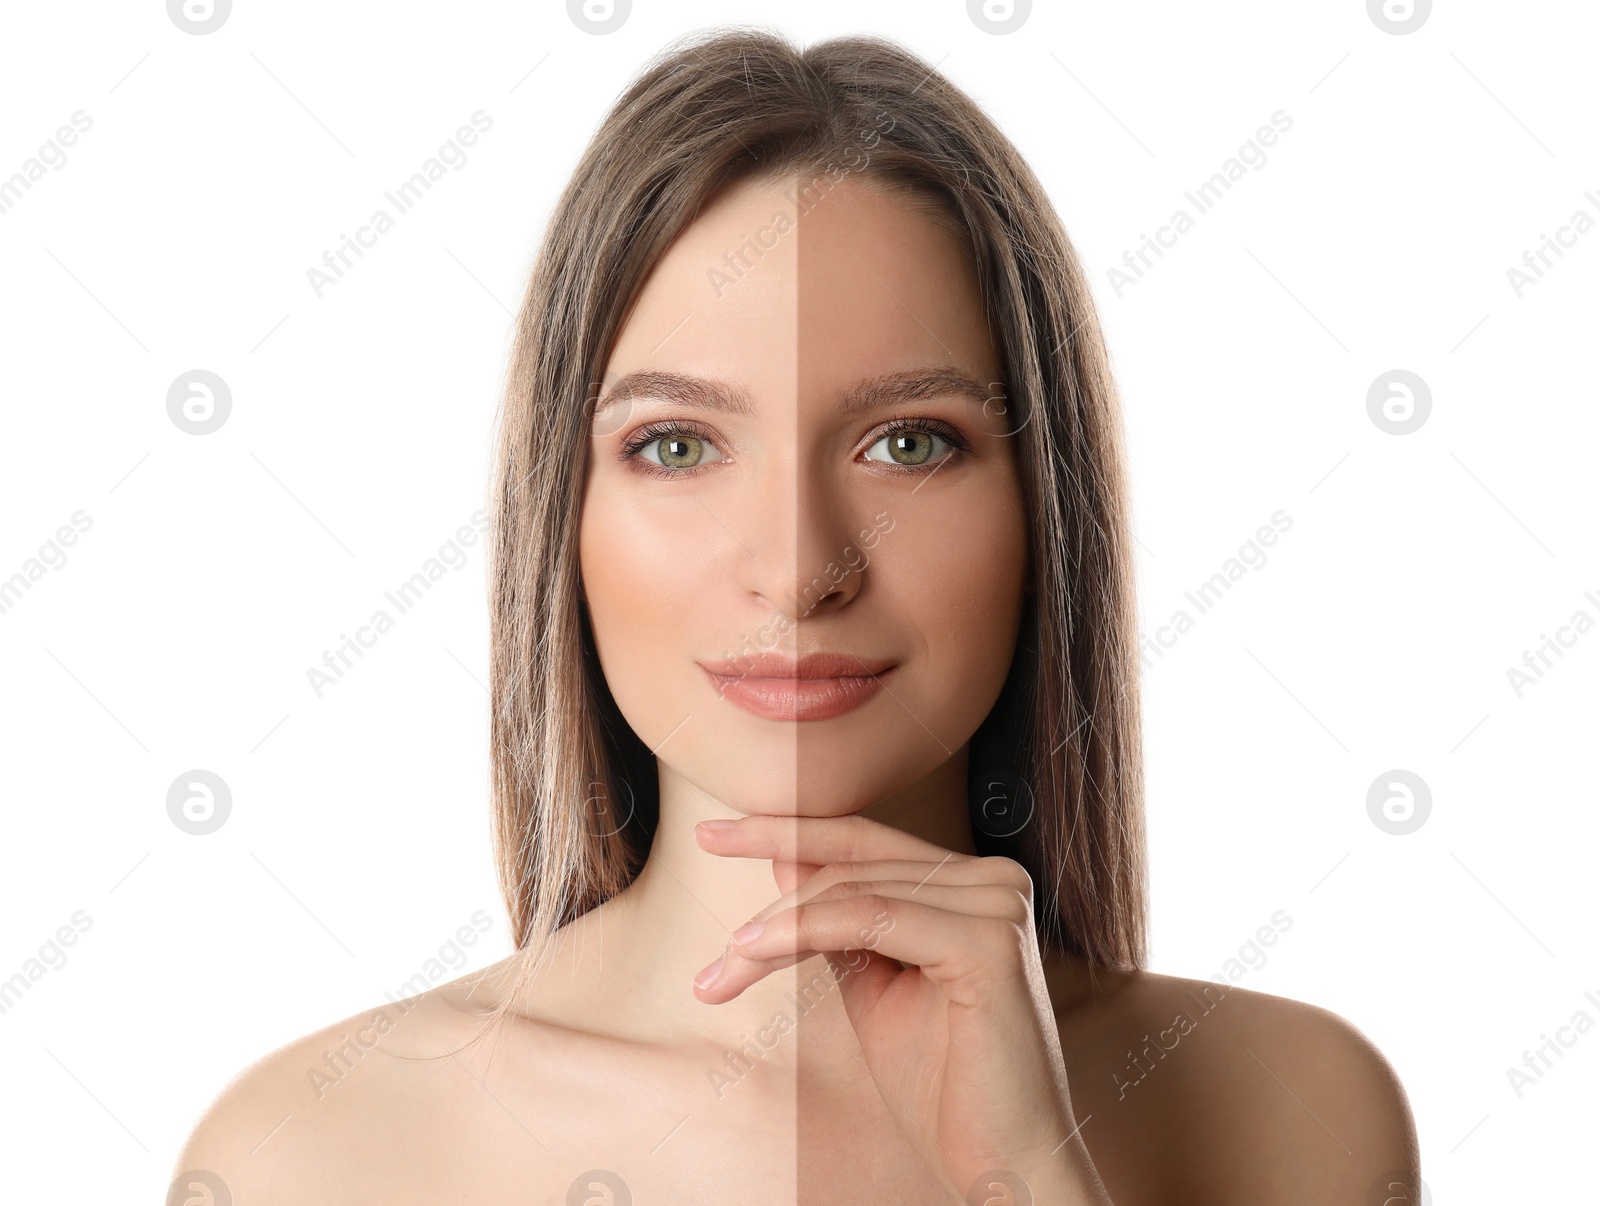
802 451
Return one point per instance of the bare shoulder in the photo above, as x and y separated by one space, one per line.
342 1113
1257 1098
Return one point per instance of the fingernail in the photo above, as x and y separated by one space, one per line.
716 826
708 977
749 932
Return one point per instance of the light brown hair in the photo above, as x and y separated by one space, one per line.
574 788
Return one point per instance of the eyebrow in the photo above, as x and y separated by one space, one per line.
702 393
699 392
912 385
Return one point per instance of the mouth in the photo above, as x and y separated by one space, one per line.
818 686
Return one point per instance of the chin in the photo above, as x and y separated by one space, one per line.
822 785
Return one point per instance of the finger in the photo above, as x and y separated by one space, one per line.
957 950
789 876
1004 872
737 968
807 878
817 840
736 952
741 966
869 971
977 899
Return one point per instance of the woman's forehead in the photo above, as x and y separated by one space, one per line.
766 285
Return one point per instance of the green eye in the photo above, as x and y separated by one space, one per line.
677 451
910 447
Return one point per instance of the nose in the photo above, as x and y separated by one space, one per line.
802 559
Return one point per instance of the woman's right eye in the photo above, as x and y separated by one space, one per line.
675 451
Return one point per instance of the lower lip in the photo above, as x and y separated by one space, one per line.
798 698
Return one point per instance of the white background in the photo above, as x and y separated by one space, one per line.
1377 636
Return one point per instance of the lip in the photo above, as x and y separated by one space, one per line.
812 665
818 686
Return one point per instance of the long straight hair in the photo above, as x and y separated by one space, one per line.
574 789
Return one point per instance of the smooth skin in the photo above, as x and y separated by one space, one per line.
892 1033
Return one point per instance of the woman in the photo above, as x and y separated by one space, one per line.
811 526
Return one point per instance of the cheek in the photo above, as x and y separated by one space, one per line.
958 572
643 567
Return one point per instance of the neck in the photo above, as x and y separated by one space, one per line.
677 915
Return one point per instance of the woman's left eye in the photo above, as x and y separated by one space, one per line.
911 447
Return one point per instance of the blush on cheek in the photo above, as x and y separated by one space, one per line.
649 586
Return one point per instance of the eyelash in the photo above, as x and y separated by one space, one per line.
649 434
896 425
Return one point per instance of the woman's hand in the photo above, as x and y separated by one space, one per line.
961 1040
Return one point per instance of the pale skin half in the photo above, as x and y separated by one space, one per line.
614 1059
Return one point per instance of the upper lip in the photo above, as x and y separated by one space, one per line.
812 665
